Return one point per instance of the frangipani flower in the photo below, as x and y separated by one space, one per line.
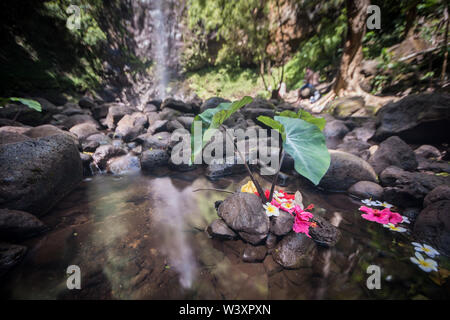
249 187
370 203
271 210
392 227
428 250
426 265
288 206
405 220
386 205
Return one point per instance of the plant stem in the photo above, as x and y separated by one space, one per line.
255 182
275 178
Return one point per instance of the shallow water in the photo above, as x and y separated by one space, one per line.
142 237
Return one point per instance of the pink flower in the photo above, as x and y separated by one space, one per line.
384 216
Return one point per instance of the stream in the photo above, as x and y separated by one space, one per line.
142 237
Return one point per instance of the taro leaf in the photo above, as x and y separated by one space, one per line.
32 104
305 115
214 118
305 143
273 124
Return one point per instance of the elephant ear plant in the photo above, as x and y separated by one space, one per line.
301 133
32 104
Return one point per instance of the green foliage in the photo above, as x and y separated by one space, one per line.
32 104
306 116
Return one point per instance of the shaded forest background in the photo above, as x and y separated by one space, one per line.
227 48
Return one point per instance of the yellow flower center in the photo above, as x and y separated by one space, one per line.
426 249
424 263
270 209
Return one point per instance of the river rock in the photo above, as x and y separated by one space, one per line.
179 106
79 118
12 137
219 229
324 233
49 168
244 213
158 126
84 130
19 225
345 170
347 107
87 103
253 254
427 152
216 170
334 131
294 251
282 224
437 194
366 190
160 140
124 164
115 113
422 118
356 147
10 255
131 126
393 152
212 103
106 152
433 226
152 159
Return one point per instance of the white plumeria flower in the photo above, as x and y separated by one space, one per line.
386 205
277 194
392 227
405 220
372 203
426 265
428 250
288 205
271 210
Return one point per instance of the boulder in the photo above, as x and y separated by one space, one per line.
179 106
48 130
131 126
324 233
334 131
393 152
79 118
115 112
87 103
253 254
84 130
12 137
282 224
219 229
49 168
159 140
30 116
347 107
19 225
10 255
123 165
216 170
427 152
152 159
356 147
244 213
366 190
212 103
104 153
345 170
423 118
433 226
158 126
294 251
439 193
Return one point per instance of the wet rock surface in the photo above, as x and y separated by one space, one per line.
366 190
10 255
19 225
393 152
324 233
294 251
219 229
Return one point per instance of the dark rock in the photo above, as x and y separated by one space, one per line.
10 255
123 164
131 126
282 224
411 213
356 147
173 125
79 118
219 229
244 213
12 137
159 140
324 233
345 170
30 116
179 106
254 253
86 160
90 146
271 266
104 153
437 194
294 251
100 111
182 167
366 190
271 241
212 103
186 122
115 113
362 134
433 226
427 152
347 107
334 131
423 118
49 168
152 159
158 126
433 165
408 189
19 225
84 130
87 103
217 170
393 152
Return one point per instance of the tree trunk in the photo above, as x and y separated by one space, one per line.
444 64
349 72
411 15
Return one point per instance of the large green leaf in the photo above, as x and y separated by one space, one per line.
306 116
305 143
213 119
273 124
32 104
